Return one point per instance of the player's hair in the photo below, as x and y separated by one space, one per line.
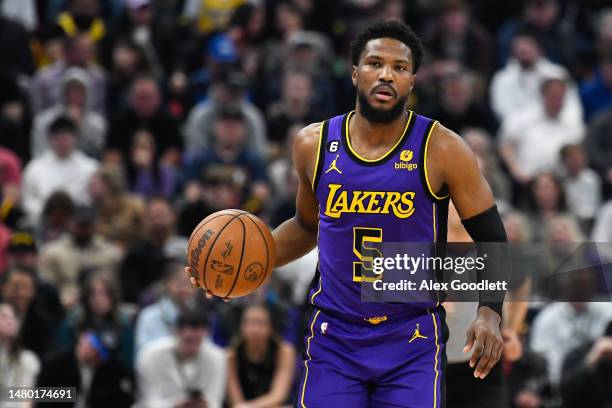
389 29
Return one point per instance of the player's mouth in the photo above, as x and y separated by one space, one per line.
384 93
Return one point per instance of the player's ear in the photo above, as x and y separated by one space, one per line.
354 75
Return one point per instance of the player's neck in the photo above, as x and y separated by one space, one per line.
372 134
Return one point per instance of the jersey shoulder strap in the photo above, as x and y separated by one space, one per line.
329 140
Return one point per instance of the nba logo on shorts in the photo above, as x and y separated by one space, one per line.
323 327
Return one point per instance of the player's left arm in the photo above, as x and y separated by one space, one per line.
451 162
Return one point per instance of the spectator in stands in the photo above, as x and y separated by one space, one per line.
14 118
139 26
48 45
120 214
531 141
16 57
75 104
603 31
146 175
56 216
561 327
480 143
144 263
68 260
215 191
99 311
208 16
19 367
47 84
546 199
100 379
246 31
159 319
23 254
230 153
19 289
295 106
518 85
458 107
144 112
596 92
455 35
184 370
61 167
228 89
582 185
310 52
22 250
560 233
220 56
542 19
127 62
587 373
260 365
83 17
297 49
599 148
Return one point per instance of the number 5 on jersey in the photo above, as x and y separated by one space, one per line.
362 269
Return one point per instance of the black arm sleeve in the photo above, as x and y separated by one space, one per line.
488 227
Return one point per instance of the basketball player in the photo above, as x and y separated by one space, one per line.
360 175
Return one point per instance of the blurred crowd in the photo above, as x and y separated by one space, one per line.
123 123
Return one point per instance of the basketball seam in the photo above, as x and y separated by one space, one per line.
241 257
212 245
267 251
194 233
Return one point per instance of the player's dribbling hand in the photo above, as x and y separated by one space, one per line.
485 339
196 284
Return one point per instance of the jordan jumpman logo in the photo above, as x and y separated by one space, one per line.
417 334
333 166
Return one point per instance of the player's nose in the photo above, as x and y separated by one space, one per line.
385 74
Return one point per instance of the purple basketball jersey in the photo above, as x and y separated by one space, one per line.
364 201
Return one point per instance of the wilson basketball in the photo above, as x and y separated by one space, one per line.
231 253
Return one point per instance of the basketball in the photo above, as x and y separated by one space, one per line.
231 253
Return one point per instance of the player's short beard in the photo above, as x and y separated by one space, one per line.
379 115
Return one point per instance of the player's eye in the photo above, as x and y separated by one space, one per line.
401 68
375 64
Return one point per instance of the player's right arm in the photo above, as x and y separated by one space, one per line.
298 235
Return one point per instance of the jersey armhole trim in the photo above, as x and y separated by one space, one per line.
320 155
442 194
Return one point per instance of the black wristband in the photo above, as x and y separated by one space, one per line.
487 227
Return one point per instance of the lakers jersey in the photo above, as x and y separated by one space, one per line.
365 201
